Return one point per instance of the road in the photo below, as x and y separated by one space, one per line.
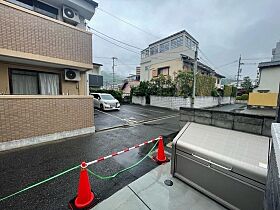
115 131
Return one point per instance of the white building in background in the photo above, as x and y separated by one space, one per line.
269 73
276 52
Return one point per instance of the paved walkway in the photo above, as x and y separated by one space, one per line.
150 192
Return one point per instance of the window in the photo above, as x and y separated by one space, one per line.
38 6
145 53
177 42
164 47
24 3
164 71
193 45
154 50
32 83
46 9
188 42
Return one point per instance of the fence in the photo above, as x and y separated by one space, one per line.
177 102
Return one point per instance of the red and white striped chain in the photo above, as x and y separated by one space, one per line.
120 152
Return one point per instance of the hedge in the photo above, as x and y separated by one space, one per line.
204 85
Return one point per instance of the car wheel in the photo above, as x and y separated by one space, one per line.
102 107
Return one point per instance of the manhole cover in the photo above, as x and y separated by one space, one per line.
168 182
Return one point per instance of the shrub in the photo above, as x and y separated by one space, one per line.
214 93
234 90
244 97
227 90
204 85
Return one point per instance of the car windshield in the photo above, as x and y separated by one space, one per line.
107 97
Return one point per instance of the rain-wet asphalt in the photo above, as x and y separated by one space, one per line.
22 167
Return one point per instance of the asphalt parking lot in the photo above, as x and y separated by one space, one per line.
115 131
129 115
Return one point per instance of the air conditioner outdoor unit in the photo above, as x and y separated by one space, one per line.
72 75
70 15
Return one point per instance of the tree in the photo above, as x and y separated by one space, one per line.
247 84
184 81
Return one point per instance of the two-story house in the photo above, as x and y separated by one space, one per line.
45 47
172 54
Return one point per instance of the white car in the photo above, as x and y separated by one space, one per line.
105 101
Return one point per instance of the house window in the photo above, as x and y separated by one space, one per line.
46 9
188 42
193 46
38 6
145 53
164 71
164 47
154 50
177 42
28 4
24 82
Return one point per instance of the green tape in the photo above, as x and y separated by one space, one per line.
123 170
41 182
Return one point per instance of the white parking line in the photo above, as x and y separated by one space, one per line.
137 113
150 110
111 115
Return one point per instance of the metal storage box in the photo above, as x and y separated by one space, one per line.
228 166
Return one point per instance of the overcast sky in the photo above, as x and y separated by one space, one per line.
224 28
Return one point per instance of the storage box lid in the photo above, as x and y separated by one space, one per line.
233 151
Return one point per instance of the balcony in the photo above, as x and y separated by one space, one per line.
31 38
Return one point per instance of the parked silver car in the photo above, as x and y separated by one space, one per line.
105 101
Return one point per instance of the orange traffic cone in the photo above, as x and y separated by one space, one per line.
85 197
161 158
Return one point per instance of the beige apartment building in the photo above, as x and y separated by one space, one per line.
44 46
45 52
172 54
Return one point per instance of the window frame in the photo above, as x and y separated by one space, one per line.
35 7
36 73
163 68
163 47
152 51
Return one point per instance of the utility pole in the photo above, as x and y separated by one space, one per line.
113 67
194 76
238 73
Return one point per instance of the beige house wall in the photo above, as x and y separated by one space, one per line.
67 87
174 67
30 35
28 116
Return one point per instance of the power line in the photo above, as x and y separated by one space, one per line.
115 44
227 64
114 38
127 22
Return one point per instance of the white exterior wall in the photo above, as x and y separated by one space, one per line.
177 102
139 100
269 80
